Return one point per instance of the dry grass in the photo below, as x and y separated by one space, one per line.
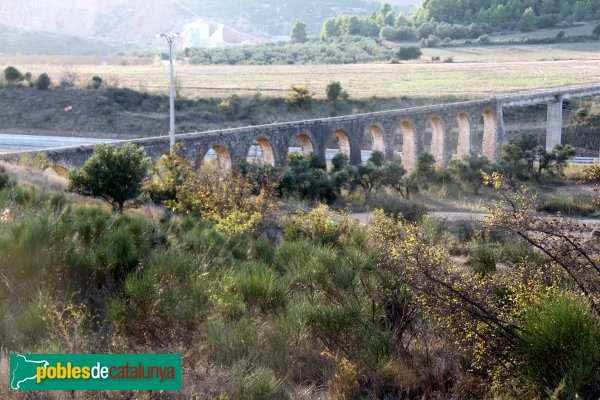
475 72
34 176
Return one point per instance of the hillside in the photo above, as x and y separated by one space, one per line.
101 26
112 22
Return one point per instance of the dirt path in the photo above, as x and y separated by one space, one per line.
454 216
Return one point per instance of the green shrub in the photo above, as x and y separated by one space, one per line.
228 342
42 82
298 33
306 178
431 41
333 90
96 82
113 173
119 250
260 384
516 253
299 96
260 286
89 222
398 208
483 259
294 255
408 52
560 343
5 180
169 174
483 39
320 226
29 196
468 171
12 75
596 32
581 205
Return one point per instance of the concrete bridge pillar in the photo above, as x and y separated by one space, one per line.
554 124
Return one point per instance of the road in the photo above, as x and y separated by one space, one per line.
364 218
12 142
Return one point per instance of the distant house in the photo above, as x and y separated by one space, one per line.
203 34
206 34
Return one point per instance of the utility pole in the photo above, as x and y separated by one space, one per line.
170 38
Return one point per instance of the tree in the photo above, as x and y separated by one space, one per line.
168 175
425 170
525 159
387 33
395 177
389 19
333 90
552 163
354 26
304 178
113 173
42 82
298 34
579 11
12 75
299 96
468 170
596 32
517 157
386 8
330 29
339 162
371 175
528 21
401 21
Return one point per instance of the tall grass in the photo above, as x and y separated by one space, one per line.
560 344
571 205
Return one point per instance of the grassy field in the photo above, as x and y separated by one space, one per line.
474 72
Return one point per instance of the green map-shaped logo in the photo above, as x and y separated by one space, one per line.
23 369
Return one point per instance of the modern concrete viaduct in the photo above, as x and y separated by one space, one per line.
444 130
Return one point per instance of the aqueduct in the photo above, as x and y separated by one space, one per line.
444 130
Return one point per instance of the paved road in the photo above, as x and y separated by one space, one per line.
11 142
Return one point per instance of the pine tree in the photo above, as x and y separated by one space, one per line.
298 34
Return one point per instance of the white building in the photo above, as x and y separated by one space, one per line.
202 34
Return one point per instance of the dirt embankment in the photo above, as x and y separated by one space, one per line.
117 113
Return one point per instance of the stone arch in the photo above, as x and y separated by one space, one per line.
377 138
437 145
219 154
488 145
463 147
304 142
343 142
409 145
262 151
